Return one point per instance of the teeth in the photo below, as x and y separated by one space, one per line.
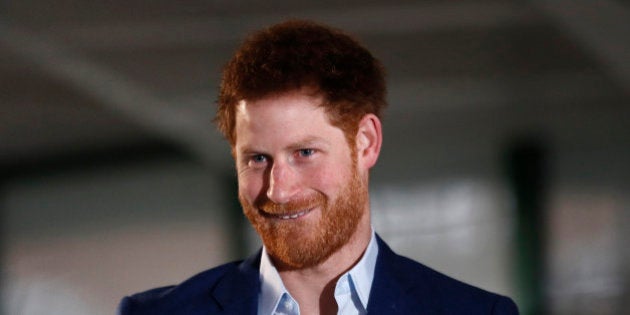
293 216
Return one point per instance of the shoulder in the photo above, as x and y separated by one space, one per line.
454 295
429 289
184 298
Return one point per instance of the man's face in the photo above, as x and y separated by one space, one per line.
298 181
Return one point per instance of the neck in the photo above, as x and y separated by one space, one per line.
314 287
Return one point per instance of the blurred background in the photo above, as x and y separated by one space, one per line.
506 159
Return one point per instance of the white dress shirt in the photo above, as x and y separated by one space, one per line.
351 291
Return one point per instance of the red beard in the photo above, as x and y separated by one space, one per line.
301 243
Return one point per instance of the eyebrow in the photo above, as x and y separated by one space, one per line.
308 142
249 151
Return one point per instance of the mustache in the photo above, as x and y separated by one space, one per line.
296 205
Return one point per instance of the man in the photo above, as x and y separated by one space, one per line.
300 104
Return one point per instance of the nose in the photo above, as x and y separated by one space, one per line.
282 183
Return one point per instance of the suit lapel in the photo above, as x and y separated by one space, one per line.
392 292
237 291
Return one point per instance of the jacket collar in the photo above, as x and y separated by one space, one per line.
394 282
237 291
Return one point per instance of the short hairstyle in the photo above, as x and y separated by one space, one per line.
300 54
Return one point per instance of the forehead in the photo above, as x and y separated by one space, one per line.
287 117
293 103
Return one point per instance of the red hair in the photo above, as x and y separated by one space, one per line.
300 54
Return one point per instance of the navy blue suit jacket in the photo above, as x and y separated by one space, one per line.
400 286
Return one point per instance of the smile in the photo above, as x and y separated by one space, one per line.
292 216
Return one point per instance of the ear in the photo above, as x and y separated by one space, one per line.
368 141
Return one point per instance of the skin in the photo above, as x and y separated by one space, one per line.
295 169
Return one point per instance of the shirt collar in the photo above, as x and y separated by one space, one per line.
361 275
272 288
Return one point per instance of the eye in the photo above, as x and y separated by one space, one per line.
257 160
306 152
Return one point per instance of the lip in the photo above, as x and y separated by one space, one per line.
289 216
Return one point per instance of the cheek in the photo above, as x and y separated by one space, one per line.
329 179
249 186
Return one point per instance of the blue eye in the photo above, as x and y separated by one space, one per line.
306 152
258 158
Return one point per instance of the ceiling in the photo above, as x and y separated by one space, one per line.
105 77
